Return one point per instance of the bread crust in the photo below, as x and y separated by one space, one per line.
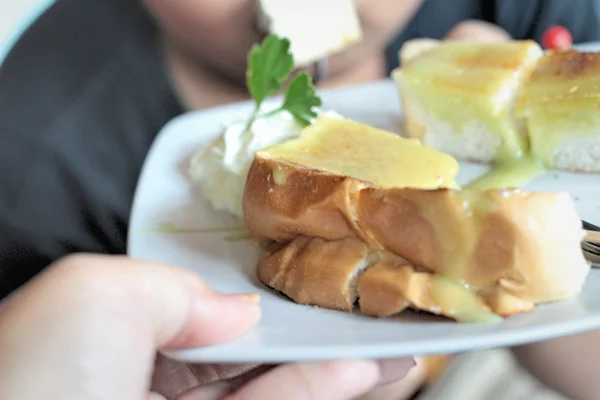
512 248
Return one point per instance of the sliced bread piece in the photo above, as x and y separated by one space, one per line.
388 208
459 97
559 105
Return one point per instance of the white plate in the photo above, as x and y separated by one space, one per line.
591 47
292 332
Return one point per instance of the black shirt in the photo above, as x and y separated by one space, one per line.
522 19
84 92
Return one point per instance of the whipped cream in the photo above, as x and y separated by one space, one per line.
220 169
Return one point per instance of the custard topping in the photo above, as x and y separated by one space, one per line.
345 147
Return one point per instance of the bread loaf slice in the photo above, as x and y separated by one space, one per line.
459 97
344 218
559 105
497 102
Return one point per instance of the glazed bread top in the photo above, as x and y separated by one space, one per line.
524 244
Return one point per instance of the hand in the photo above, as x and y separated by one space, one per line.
477 31
89 328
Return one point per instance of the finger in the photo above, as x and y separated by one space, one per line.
336 380
155 396
185 312
174 306
401 386
213 391
172 378
110 314
478 31
219 389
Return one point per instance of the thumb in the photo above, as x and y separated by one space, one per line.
91 325
183 311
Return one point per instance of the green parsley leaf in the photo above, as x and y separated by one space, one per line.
300 98
269 65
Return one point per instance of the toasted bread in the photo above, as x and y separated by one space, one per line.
490 102
333 238
559 105
459 97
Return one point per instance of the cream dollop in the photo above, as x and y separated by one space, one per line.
220 169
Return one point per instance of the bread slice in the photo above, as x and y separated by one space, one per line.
336 232
560 104
492 102
459 97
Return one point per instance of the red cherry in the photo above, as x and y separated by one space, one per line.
557 38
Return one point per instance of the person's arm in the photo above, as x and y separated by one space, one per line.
569 365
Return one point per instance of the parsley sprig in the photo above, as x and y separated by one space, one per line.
269 67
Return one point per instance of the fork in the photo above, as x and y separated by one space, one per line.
590 249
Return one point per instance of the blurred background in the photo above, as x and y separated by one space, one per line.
15 17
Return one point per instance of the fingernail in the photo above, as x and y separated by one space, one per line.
222 317
219 300
251 298
248 298
215 318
